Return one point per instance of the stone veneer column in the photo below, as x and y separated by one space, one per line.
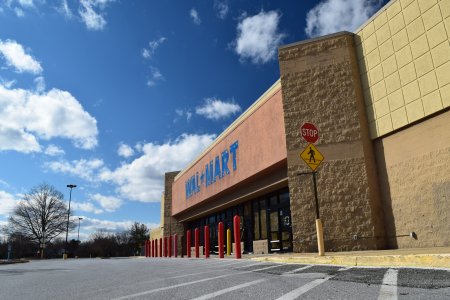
170 224
320 84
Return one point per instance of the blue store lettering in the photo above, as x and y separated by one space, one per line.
214 171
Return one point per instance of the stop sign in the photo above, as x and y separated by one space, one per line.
309 132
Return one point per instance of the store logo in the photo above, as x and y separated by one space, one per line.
214 171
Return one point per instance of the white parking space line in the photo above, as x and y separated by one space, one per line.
250 265
271 267
230 289
388 288
296 270
176 286
294 294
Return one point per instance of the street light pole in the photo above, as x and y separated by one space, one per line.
79 218
70 186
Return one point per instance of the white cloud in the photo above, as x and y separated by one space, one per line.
216 109
143 178
221 8
181 113
86 207
18 140
19 6
53 150
85 169
330 16
26 116
258 37
152 46
19 12
155 77
7 83
108 203
65 10
195 17
26 3
125 150
16 57
91 13
40 84
92 225
8 202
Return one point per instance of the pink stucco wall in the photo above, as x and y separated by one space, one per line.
262 143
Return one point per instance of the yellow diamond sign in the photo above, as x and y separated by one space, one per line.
312 157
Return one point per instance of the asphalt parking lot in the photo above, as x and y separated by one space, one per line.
181 278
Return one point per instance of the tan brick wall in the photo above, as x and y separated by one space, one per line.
404 60
155 233
169 224
414 173
320 84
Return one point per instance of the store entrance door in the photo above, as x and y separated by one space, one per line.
279 226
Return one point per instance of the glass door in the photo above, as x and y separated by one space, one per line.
279 223
285 228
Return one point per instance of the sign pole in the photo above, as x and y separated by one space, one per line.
313 158
319 227
315 195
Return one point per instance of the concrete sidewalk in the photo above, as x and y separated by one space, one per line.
438 257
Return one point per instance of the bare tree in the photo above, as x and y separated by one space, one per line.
41 215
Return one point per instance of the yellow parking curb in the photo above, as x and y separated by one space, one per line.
421 260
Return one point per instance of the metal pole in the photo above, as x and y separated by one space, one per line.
319 226
315 195
79 228
71 186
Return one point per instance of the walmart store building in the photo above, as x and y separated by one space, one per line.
380 98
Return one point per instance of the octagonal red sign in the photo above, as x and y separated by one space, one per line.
309 132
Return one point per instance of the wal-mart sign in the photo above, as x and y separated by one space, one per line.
213 172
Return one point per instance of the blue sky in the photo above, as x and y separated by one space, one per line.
109 95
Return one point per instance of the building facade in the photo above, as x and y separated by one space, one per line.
380 98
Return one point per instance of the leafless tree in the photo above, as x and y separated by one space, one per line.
41 215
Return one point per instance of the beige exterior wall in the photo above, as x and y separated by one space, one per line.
321 84
403 55
414 168
155 233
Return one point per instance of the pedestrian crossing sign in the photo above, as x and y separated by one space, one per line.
312 156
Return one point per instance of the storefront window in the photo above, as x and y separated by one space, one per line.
284 198
262 213
256 225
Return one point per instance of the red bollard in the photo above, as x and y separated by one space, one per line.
175 245
156 248
206 241
197 242
170 246
220 239
160 247
153 248
165 246
188 243
147 246
237 236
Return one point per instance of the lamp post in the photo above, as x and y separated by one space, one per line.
70 186
79 219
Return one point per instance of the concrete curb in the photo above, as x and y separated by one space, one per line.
420 261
